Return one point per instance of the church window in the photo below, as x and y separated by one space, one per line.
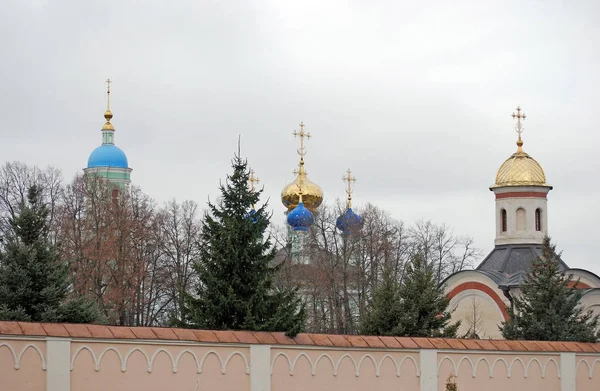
538 219
503 224
520 219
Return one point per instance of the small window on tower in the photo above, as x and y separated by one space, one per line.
538 219
503 224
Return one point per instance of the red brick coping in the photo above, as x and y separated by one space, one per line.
252 337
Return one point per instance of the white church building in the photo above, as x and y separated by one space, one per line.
479 297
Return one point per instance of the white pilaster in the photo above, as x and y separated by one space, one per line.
568 372
428 369
58 364
260 367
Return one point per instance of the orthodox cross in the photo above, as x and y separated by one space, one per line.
108 93
349 178
519 116
300 169
253 179
301 134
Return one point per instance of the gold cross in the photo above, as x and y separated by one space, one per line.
108 93
297 171
253 179
301 134
519 116
349 178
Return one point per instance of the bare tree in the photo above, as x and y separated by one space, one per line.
474 321
438 244
15 179
107 235
178 232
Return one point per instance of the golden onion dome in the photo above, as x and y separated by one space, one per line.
312 194
520 169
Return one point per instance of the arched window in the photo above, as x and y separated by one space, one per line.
538 219
520 219
503 224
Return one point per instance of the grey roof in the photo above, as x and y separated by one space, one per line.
507 265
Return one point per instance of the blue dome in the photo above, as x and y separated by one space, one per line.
252 215
107 155
348 222
300 218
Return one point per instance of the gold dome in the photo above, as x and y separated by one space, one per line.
520 170
312 194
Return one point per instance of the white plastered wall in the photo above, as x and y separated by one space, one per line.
462 304
527 234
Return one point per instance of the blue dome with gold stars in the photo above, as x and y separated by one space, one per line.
349 222
300 218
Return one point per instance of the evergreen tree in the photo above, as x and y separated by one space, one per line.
34 283
235 270
415 308
548 308
383 318
424 303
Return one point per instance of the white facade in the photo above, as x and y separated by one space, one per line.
517 220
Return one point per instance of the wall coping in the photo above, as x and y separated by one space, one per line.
66 330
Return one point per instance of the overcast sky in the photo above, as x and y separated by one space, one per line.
414 97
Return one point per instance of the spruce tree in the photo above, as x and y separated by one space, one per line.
34 283
383 317
548 308
236 270
424 304
415 308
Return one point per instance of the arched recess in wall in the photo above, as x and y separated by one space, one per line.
482 288
503 222
521 219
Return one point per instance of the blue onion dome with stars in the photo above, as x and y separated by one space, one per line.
108 155
251 215
349 221
300 218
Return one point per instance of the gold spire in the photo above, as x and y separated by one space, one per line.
519 127
253 179
108 114
349 178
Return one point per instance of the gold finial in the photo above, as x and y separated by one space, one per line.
519 127
108 114
349 178
299 192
